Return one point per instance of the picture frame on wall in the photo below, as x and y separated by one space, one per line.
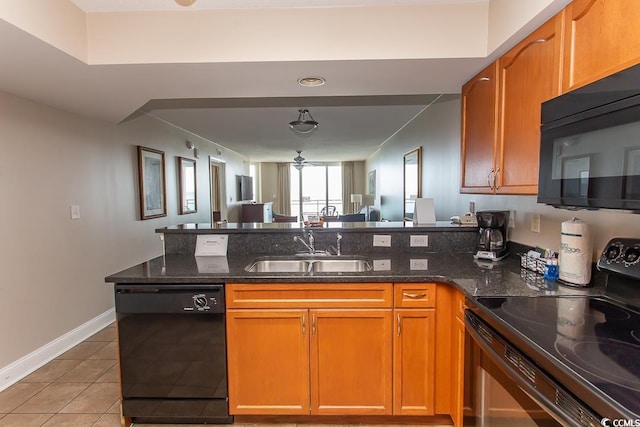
151 175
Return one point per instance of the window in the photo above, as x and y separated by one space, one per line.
321 190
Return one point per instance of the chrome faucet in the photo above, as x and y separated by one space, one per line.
310 246
338 238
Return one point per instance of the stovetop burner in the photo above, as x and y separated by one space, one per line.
607 359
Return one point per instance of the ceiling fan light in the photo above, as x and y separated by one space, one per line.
305 123
298 160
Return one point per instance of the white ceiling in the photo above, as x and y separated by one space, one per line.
242 106
172 5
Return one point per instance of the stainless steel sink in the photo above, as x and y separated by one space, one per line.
340 265
308 265
278 266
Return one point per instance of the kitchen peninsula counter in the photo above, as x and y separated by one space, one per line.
448 258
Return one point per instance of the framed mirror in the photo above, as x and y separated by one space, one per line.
412 170
187 183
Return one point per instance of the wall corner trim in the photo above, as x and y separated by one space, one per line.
22 367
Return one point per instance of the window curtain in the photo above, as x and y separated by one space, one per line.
347 185
282 204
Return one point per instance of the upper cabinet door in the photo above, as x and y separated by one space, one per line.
479 131
601 38
529 75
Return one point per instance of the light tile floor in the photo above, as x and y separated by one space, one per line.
77 389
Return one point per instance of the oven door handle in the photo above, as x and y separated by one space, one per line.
557 412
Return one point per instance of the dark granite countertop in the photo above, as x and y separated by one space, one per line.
285 227
474 278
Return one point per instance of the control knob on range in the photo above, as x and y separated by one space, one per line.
622 256
612 252
631 256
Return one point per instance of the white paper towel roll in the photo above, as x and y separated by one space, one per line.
576 252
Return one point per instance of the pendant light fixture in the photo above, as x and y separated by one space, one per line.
305 123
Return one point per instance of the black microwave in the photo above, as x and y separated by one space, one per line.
590 145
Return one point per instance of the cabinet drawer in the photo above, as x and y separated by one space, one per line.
407 295
309 295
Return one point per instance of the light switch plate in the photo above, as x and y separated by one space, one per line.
75 211
419 240
383 240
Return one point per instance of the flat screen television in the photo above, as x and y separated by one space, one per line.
245 188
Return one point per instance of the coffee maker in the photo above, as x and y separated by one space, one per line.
492 235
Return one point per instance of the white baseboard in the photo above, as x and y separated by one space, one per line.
22 367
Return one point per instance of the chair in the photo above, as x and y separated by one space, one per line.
352 217
331 211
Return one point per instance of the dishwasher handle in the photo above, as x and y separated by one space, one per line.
156 300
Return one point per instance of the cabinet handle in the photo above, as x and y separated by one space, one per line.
313 325
304 324
399 323
414 296
489 176
495 179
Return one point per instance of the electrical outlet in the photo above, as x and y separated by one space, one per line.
383 240
535 222
418 264
419 241
382 264
512 219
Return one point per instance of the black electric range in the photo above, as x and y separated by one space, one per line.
589 345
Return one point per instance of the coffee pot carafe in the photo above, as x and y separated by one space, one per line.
492 235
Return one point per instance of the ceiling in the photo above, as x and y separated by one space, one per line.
245 106
168 5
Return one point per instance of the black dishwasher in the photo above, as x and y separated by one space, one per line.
172 353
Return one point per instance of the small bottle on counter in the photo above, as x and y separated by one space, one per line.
551 270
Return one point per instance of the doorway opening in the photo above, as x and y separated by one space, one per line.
217 186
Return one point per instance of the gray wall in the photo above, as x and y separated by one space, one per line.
52 268
437 130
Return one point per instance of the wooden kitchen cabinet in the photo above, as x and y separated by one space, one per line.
501 114
268 350
479 122
300 349
601 37
529 75
414 349
351 358
458 401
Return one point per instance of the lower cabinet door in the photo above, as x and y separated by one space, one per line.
414 362
457 372
268 362
351 362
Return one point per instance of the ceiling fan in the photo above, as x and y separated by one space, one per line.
299 162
